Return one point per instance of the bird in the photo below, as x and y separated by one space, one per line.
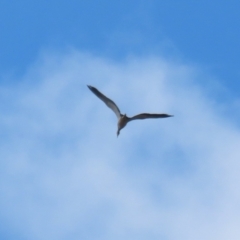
123 119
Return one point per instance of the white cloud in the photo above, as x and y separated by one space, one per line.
65 175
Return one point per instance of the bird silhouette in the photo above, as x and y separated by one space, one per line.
123 119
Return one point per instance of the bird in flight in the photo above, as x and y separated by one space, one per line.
123 119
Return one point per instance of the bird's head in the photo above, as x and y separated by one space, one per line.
118 132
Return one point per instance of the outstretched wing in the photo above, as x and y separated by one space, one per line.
150 115
106 100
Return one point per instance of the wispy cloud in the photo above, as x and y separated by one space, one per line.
65 175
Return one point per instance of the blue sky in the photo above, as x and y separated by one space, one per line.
203 32
65 175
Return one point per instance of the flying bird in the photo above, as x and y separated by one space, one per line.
123 119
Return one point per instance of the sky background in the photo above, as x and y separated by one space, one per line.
63 172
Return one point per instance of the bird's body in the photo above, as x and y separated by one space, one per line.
122 122
123 119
